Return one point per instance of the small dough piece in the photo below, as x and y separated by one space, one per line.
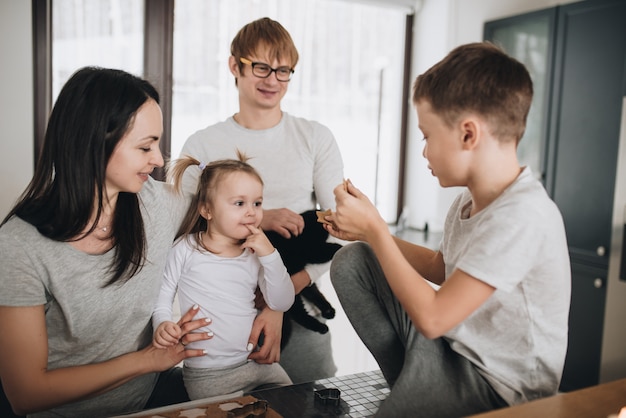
321 214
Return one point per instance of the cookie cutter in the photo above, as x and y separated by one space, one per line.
330 396
255 409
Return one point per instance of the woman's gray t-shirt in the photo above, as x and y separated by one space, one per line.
86 321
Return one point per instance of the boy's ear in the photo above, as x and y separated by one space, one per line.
471 131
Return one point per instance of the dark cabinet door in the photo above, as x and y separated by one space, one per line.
582 364
585 122
529 38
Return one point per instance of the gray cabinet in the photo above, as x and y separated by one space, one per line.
579 128
587 100
586 316
530 39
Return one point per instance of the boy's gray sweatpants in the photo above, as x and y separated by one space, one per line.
427 378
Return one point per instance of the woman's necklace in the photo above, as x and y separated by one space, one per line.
102 232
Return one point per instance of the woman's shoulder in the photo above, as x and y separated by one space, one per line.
158 197
159 193
19 229
154 187
27 259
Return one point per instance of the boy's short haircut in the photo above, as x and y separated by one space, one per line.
264 32
479 77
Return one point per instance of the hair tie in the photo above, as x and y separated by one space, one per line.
201 166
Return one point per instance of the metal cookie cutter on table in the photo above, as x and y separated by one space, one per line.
331 396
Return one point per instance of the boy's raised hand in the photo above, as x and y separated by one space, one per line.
258 242
355 216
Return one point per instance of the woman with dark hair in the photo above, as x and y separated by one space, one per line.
82 255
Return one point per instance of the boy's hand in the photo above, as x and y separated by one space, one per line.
258 242
355 216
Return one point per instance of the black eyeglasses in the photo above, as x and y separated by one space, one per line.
262 70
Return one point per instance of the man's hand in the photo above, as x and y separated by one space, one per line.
283 221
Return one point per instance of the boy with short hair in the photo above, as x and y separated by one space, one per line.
495 332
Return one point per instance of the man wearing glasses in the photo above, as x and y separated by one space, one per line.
300 163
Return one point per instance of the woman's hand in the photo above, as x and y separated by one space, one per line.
270 323
187 324
169 355
31 387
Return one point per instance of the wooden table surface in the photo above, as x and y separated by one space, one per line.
599 401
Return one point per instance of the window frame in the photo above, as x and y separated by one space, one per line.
158 65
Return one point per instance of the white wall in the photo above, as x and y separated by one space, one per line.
441 25
16 101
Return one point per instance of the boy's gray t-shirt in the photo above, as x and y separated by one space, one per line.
518 338
86 322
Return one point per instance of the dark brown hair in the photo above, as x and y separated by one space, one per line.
94 110
479 77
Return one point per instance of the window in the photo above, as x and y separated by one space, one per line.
95 33
349 77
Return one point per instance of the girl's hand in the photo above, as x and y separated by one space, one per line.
258 242
167 334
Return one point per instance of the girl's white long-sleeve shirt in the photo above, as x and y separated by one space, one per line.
224 288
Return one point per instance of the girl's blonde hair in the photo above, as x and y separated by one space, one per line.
212 174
